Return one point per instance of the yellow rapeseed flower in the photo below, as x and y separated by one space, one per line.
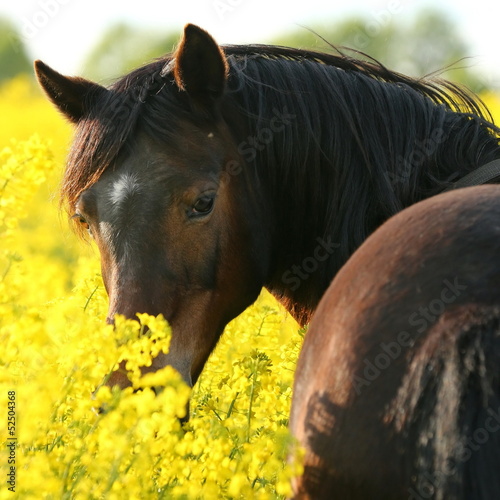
57 351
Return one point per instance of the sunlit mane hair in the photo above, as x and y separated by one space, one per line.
355 125
263 77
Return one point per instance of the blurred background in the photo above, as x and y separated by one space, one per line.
51 293
101 39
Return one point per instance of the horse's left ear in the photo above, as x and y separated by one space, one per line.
73 96
200 66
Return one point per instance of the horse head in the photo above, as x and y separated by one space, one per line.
154 176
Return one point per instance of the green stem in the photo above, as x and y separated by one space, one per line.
252 390
90 298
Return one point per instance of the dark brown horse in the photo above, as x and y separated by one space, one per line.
212 172
397 390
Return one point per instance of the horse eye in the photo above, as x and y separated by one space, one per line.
81 220
203 205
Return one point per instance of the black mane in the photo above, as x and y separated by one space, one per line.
438 90
144 94
364 141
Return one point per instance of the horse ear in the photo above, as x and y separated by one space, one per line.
200 66
72 95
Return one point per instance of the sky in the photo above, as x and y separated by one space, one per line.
63 32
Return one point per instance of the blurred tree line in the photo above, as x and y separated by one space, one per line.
428 43
124 48
13 56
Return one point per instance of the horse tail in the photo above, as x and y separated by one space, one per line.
448 408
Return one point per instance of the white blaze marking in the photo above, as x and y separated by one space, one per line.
116 231
109 236
123 187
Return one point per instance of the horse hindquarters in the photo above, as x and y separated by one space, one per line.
397 389
438 438
447 410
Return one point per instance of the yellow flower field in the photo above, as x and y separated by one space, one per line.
57 349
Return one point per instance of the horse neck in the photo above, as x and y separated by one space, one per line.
331 166
297 230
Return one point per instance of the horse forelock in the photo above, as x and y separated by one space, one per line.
109 129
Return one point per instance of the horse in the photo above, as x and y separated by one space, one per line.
397 388
216 170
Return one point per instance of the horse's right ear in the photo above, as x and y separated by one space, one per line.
73 96
199 66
